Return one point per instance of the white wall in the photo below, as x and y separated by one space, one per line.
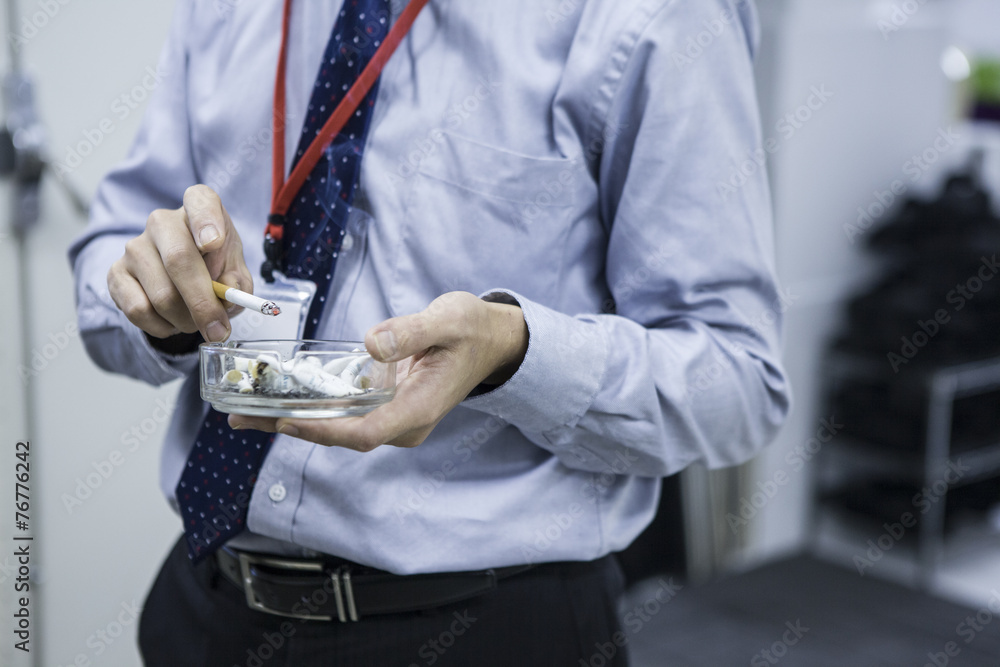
104 553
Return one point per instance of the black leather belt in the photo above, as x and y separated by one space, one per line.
322 591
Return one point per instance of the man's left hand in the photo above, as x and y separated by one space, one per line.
457 343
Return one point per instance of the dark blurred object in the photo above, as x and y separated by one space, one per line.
660 548
938 301
22 147
924 441
886 500
914 378
890 412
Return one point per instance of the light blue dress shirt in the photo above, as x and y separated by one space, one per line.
566 155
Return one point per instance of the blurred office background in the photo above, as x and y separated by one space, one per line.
879 94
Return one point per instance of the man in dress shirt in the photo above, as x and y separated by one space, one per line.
546 219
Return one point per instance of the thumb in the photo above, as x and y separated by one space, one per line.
400 337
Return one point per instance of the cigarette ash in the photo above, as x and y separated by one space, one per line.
301 377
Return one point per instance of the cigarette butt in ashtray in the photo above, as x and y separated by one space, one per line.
240 298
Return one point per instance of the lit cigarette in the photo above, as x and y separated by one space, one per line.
238 298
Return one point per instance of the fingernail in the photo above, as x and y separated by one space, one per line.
207 235
237 426
385 341
216 332
289 430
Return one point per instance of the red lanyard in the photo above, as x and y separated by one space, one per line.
282 191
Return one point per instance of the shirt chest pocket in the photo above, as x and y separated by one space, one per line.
477 218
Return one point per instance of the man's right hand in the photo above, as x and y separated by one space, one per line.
163 282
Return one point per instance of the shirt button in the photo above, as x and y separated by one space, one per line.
276 492
347 243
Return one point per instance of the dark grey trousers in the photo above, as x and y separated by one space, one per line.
553 615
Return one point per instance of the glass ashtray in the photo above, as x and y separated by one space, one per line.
294 378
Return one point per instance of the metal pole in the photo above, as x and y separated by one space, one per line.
15 56
20 230
940 402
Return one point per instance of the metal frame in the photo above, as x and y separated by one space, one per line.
343 592
943 386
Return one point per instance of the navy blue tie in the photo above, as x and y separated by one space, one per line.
217 481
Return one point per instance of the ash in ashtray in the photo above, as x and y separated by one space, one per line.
302 377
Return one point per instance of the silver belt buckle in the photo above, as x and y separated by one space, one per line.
340 580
